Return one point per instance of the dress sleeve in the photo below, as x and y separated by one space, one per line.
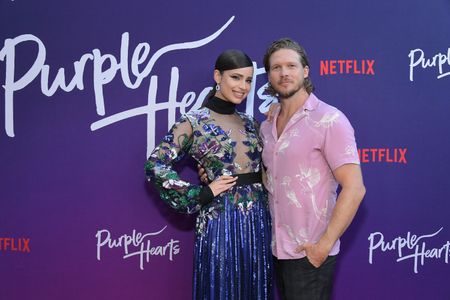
179 194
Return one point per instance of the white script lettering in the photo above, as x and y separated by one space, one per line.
417 58
105 67
411 242
139 242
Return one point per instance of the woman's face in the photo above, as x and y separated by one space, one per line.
234 84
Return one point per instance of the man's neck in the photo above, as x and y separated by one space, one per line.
289 106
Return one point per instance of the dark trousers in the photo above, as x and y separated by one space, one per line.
299 279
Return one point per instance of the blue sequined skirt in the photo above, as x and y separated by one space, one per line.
233 258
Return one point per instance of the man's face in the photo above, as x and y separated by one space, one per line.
286 73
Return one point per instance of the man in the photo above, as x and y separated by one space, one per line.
309 148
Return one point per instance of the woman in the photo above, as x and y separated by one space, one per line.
233 259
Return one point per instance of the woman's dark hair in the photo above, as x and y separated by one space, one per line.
229 60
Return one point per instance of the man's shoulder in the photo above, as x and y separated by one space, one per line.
323 107
328 115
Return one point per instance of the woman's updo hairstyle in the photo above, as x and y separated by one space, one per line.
229 60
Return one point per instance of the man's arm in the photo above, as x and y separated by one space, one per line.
350 178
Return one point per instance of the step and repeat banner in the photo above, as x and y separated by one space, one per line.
89 88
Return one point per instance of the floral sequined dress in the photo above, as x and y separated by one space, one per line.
233 259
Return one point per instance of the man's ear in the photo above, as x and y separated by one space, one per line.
306 71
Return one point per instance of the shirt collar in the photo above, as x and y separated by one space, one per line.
311 102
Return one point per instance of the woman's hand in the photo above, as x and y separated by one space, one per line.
222 184
271 112
202 174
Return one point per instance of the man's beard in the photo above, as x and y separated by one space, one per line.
288 94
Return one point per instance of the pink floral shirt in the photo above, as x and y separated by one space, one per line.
302 189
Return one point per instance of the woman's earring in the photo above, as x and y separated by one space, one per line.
217 87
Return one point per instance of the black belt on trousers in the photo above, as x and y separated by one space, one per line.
248 178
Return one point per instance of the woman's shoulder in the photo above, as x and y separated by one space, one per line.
248 117
195 116
250 122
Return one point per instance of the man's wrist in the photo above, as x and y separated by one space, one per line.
326 243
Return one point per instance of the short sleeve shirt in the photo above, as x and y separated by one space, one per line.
299 165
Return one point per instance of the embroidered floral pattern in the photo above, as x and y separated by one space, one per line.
198 135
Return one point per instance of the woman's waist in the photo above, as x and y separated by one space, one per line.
247 178
243 197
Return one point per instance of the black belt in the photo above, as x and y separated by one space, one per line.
248 178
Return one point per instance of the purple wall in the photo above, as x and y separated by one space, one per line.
73 148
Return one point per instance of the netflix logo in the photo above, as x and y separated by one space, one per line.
347 66
11 244
383 155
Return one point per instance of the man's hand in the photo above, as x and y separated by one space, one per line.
350 178
222 184
315 253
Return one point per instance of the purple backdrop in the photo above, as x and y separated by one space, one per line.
89 87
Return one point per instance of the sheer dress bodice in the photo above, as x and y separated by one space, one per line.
224 144
234 145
